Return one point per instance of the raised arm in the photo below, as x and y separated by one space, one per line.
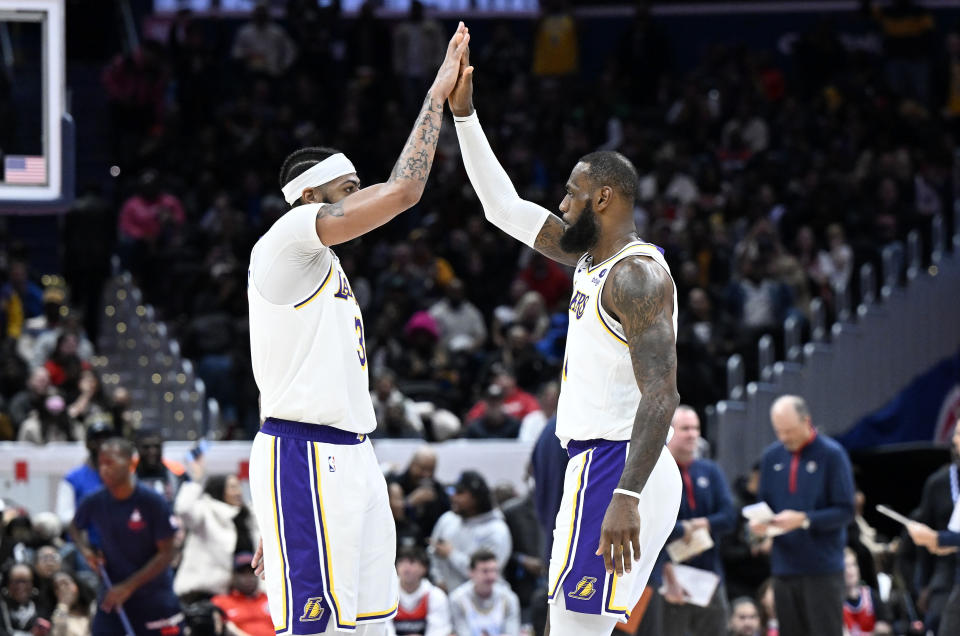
373 206
640 295
523 220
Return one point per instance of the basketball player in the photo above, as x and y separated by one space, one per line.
320 499
622 487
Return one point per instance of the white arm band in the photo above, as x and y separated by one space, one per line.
502 205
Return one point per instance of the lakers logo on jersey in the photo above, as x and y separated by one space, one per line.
313 609
344 291
585 590
579 303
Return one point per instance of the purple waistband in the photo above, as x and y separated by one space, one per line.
577 446
310 432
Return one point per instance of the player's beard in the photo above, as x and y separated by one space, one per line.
583 234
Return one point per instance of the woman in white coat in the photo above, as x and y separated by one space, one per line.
218 525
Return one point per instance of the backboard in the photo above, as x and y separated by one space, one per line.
36 132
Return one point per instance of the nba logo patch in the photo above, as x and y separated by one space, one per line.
811 466
585 589
312 609
332 463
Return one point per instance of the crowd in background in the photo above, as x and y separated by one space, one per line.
767 185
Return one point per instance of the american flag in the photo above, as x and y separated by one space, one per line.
21 169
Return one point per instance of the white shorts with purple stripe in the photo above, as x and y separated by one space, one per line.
576 571
329 540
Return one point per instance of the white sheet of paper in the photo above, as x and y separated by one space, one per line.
761 513
954 524
700 542
699 585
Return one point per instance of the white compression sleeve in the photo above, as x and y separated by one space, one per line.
501 204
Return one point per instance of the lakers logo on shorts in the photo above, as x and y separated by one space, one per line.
586 588
313 609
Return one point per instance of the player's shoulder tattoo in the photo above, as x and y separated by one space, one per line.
332 209
641 293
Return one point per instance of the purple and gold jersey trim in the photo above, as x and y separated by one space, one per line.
373 616
574 523
276 523
591 268
324 542
607 326
584 574
306 301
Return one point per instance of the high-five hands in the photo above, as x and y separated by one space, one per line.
461 99
450 68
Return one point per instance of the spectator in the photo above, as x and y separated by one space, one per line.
84 479
90 399
424 498
74 600
555 48
547 278
396 414
706 504
20 614
31 398
484 605
262 46
744 617
864 612
20 299
136 84
746 559
770 625
136 534
154 471
933 574
418 46
517 403
148 215
526 568
549 464
533 423
245 606
18 541
907 43
460 322
807 481
470 525
494 423
219 526
423 609
409 534
50 424
46 564
65 365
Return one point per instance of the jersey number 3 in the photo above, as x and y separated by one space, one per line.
362 349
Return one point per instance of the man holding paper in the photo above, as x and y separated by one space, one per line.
706 514
807 481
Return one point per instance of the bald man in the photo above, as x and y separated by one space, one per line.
807 481
424 498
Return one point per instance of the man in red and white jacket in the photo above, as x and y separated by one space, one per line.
424 609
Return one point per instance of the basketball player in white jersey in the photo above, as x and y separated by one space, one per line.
618 388
321 502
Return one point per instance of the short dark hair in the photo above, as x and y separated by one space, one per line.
608 168
300 161
413 553
481 556
123 446
743 600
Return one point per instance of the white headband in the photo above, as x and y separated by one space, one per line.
327 170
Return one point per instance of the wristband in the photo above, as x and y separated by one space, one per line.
628 493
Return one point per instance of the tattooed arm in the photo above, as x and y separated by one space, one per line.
640 295
373 206
523 220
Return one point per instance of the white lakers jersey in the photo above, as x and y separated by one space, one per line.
308 353
598 391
